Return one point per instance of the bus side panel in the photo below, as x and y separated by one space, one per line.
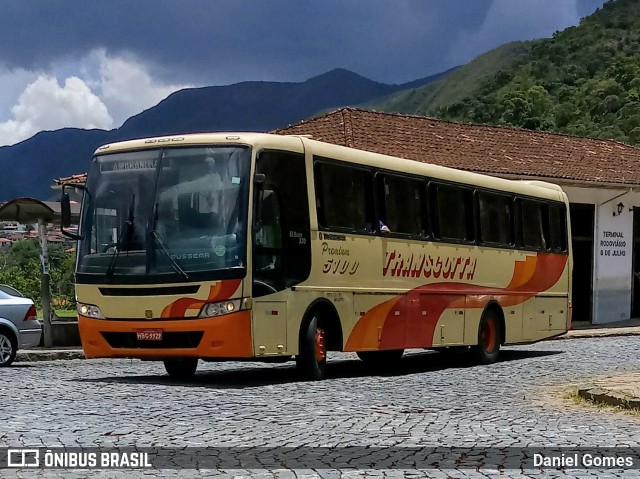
446 315
545 316
513 319
376 308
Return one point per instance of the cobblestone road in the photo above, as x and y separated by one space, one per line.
430 401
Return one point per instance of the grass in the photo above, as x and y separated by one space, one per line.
571 395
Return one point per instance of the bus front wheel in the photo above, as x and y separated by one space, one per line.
312 358
181 369
489 334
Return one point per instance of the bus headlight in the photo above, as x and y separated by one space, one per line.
90 311
220 308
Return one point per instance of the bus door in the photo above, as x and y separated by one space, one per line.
281 249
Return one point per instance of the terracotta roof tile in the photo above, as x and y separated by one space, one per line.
487 149
80 178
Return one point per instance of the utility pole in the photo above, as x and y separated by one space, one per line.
44 284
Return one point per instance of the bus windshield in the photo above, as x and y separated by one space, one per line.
175 214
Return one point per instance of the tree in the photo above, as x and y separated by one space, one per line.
21 268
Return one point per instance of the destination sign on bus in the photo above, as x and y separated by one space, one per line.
128 165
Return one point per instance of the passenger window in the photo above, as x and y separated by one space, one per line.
535 224
558 227
403 205
452 213
495 219
345 197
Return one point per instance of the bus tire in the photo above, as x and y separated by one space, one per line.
312 358
181 369
489 335
380 359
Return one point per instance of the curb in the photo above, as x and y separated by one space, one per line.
28 355
595 334
609 398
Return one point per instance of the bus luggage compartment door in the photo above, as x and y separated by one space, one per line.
269 328
447 311
544 316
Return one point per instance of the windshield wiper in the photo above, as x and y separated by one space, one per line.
158 239
176 267
127 229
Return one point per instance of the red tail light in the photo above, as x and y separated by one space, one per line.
31 314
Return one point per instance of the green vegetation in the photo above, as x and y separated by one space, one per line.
584 80
459 84
20 268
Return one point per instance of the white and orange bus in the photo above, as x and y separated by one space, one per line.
249 246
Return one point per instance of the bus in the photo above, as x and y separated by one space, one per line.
254 246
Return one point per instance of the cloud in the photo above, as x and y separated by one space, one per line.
126 88
12 84
111 90
46 105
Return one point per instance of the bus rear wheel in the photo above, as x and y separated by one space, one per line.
183 368
489 334
312 358
378 359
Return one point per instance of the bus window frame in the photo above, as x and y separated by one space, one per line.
372 211
424 204
510 197
432 191
428 208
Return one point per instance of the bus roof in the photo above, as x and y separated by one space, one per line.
302 143
196 139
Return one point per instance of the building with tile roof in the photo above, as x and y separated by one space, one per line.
601 178
493 150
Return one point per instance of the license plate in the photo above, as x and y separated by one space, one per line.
149 335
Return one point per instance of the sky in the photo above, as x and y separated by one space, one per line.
93 64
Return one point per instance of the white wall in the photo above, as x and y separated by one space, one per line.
613 250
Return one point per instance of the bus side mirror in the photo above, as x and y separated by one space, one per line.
65 213
65 210
258 182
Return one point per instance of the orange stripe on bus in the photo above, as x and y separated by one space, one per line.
379 328
218 292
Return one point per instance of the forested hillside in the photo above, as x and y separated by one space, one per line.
460 83
584 80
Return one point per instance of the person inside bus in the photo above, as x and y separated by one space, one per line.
382 228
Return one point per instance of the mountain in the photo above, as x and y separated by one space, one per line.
28 168
457 84
584 80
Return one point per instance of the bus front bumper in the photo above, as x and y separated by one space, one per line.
226 336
